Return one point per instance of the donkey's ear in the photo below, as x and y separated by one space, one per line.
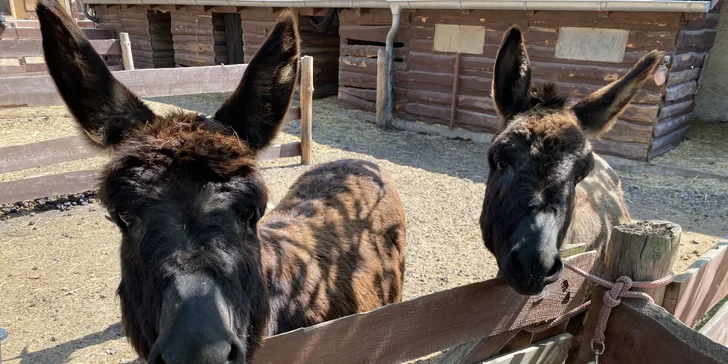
257 107
597 112
105 109
512 76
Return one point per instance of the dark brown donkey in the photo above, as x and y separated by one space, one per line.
203 277
546 187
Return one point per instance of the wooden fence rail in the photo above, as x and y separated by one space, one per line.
412 329
145 83
693 293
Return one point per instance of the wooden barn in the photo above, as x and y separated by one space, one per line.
443 53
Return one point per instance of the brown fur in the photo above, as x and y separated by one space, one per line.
546 187
203 278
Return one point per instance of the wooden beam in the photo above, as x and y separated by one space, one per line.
19 157
693 293
287 150
306 110
382 76
41 91
717 327
412 329
549 351
45 186
126 55
478 350
455 85
639 332
34 47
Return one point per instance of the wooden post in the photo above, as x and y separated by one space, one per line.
643 251
455 84
126 51
382 78
306 93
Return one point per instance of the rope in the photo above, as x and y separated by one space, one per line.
612 298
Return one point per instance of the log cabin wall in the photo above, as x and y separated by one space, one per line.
363 32
426 81
322 46
134 20
193 35
160 27
693 44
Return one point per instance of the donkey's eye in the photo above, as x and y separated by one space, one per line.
502 164
127 217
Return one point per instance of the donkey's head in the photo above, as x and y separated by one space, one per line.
185 192
536 159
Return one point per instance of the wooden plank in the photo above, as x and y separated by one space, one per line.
40 90
454 96
681 91
550 351
415 328
34 47
19 157
306 110
287 150
670 125
717 327
628 150
667 142
639 332
45 186
478 349
96 34
692 293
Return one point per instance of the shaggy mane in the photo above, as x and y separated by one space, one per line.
547 97
181 137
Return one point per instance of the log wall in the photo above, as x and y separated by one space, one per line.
692 50
424 78
323 47
362 33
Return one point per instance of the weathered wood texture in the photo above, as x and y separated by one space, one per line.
429 74
19 157
692 46
692 293
47 186
193 35
306 90
639 332
550 351
362 35
717 327
160 26
40 90
322 46
10 48
412 329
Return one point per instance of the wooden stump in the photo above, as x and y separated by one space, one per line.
643 251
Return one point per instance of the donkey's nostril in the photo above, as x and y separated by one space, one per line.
555 271
235 353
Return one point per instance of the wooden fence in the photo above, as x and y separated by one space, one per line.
21 50
486 321
40 91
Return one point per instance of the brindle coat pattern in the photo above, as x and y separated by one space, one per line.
546 187
205 272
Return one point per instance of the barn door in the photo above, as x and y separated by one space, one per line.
234 38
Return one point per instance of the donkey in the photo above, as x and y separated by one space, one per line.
546 186
205 273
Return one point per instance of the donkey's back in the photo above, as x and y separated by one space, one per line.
334 245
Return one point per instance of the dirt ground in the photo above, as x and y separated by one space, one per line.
59 270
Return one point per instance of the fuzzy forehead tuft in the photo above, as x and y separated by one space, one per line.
180 138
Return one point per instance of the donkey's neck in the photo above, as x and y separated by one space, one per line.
599 206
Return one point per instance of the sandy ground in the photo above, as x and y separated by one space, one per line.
59 270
